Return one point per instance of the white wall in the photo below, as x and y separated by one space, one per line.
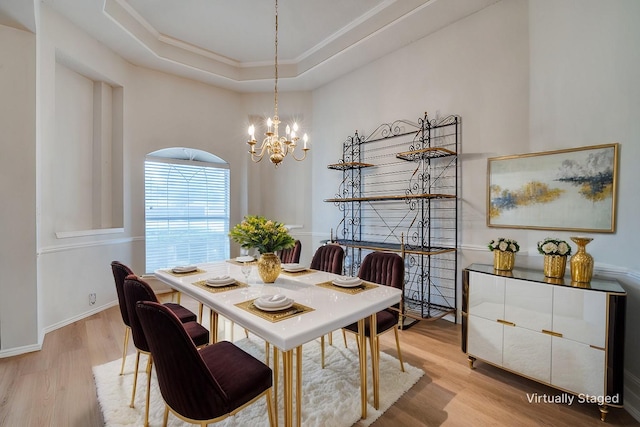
17 189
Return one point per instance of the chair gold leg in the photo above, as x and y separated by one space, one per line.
124 348
322 350
375 366
330 335
246 332
200 309
270 409
135 379
165 418
344 337
146 409
398 347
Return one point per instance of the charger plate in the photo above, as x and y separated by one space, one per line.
190 273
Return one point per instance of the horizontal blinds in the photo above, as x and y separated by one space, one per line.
186 214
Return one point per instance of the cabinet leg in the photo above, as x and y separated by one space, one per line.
604 410
471 360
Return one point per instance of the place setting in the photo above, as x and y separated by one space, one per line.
348 284
243 260
295 269
184 270
219 283
274 307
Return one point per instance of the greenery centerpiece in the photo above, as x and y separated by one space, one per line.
267 236
504 253
555 253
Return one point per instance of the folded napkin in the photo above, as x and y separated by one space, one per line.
273 300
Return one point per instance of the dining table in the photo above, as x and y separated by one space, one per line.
319 307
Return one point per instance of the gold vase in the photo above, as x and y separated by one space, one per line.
581 262
555 266
269 267
503 260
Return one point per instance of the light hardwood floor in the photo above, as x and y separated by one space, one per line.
54 386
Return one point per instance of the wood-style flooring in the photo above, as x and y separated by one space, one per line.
54 386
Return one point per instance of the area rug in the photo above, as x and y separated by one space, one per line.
330 396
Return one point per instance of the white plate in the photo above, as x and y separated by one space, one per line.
246 258
293 267
347 280
352 284
184 269
219 282
276 300
288 304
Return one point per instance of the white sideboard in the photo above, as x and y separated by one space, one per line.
568 337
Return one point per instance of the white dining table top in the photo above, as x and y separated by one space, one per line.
332 309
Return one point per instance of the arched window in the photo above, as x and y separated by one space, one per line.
186 208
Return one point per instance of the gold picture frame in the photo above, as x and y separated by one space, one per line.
570 190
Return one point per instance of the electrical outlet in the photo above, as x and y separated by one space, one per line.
92 298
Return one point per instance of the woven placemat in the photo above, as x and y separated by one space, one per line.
298 273
365 286
215 289
233 261
274 316
191 273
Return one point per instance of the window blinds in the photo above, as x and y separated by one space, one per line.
186 213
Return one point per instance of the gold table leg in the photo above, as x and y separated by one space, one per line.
213 326
375 365
299 385
363 368
287 361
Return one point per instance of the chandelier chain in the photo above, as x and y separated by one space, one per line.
275 91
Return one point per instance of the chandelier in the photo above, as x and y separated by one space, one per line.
277 147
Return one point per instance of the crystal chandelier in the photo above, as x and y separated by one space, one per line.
277 147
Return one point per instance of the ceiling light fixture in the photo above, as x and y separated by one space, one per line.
278 147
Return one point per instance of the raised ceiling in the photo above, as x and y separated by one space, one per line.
230 43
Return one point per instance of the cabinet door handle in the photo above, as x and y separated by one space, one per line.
555 334
505 322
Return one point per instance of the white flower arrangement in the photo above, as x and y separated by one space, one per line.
504 245
554 246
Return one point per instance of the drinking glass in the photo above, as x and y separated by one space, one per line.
246 271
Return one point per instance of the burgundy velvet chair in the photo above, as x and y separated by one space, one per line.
201 386
384 268
328 258
136 290
291 255
120 272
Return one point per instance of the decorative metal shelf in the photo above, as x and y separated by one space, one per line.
349 165
426 153
394 247
391 197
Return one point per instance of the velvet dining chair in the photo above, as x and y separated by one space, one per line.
203 386
136 290
291 255
328 258
384 268
120 272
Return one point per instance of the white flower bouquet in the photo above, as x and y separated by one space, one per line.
554 246
504 245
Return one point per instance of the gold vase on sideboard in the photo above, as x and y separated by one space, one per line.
269 267
555 266
503 260
581 262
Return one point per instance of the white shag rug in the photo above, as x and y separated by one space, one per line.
330 396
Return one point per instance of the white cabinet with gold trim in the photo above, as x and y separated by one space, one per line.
568 337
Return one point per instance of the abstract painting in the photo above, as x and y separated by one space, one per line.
572 189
